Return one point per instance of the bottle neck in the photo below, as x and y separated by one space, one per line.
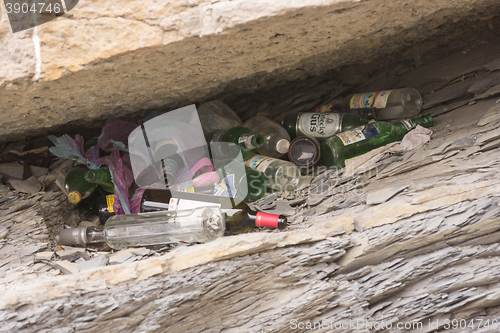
251 141
251 218
424 121
282 146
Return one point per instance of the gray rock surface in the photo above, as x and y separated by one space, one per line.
166 54
425 254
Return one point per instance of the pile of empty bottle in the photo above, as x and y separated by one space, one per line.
254 158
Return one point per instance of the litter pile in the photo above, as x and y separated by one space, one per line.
313 165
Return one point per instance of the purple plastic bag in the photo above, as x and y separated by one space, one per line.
114 134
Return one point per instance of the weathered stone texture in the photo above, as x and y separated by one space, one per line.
119 58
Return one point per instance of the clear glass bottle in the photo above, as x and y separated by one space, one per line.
277 138
336 106
238 217
391 104
320 125
240 139
338 148
280 175
215 115
198 225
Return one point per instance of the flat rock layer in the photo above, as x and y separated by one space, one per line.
122 57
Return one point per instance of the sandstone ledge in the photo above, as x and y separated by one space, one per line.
108 58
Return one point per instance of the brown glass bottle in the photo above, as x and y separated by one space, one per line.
105 207
241 218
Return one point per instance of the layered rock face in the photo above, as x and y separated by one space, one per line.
120 58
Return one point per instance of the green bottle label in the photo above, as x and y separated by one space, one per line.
358 134
408 124
319 125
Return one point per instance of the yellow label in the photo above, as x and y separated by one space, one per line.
110 200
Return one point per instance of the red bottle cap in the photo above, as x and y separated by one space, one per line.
270 220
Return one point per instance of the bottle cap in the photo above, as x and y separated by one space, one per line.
282 222
74 197
282 146
304 151
73 236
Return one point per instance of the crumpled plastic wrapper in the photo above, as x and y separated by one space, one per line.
114 140
416 138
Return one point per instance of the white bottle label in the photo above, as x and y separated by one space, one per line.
226 187
245 141
319 125
259 162
183 204
368 100
358 134
408 124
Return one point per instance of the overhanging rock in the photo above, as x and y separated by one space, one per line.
119 58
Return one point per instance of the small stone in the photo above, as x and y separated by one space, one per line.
37 171
93 223
315 199
351 201
297 201
46 255
14 170
72 254
97 261
268 202
282 208
31 185
304 182
121 256
141 251
65 267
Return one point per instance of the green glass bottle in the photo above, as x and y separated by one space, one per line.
338 148
100 177
75 184
256 183
242 138
320 125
